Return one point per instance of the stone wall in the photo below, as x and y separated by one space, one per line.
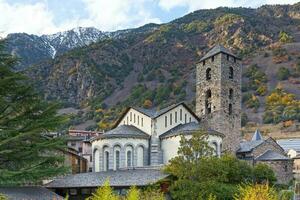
283 170
220 84
269 144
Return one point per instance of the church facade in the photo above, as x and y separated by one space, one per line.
151 137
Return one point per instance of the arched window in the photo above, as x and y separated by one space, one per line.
129 156
230 72
208 74
117 159
215 148
106 160
208 101
140 156
96 160
117 150
230 93
230 109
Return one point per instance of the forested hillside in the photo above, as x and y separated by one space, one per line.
154 65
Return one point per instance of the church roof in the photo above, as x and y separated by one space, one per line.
124 177
29 192
249 146
187 129
256 140
271 155
154 112
217 49
128 131
257 136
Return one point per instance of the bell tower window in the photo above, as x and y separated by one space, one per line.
230 109
208 102
231 93
230 72
208 74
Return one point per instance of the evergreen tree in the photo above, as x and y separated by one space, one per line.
133 194
26 154
104 192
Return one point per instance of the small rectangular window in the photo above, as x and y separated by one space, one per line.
185 118
212 59
138 120
234 59
91 158
190 119
142 122
133 118
170 118
203 62
175 117
127 119
166 121
228 57
180 115
230 109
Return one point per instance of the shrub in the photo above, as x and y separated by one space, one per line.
263 173
285 37
253 102
256 192
283 73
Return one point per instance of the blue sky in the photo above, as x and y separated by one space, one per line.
50 16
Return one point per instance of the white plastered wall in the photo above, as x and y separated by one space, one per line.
142 122
170 145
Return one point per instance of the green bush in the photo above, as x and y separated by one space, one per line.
285 37
263 173
283 73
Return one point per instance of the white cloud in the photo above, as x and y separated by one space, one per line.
30 18
107 15
193 5
118 14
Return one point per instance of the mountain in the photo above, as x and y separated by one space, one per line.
33 49
157 62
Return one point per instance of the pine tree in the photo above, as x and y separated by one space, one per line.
104 192
133 194
26 154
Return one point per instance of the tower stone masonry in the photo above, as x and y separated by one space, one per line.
218 95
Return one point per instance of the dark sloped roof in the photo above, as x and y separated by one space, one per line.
187 129
271 155
257 136
217 49
288 144
30 193
129 177
249 146
124 131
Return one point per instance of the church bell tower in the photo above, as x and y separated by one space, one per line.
218 95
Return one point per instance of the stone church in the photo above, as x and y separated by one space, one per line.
143 140
150 137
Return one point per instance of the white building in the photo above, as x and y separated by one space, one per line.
147 137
